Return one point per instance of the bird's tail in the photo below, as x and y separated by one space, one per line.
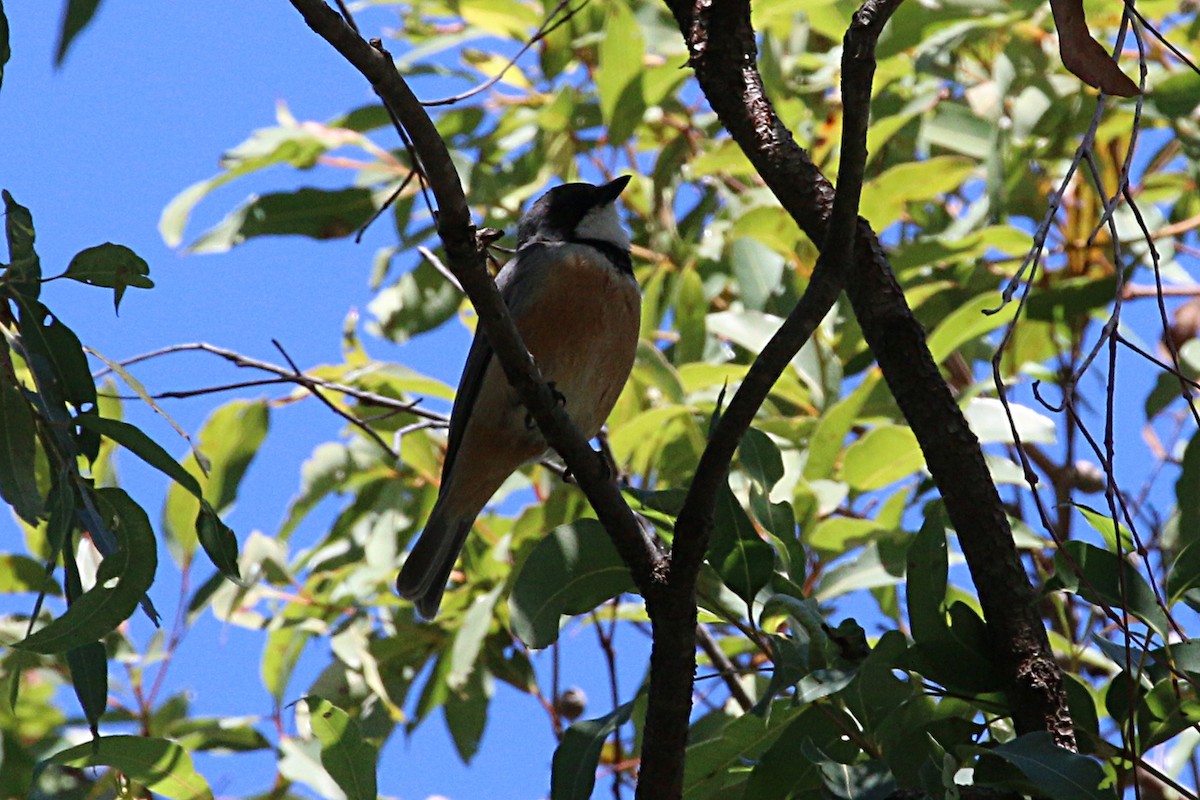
427 568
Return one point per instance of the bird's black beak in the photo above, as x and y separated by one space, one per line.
612 190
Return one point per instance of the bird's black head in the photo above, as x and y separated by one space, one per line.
575 211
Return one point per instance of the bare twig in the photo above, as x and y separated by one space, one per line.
353 420
725 668
549 25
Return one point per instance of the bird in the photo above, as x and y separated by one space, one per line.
571 291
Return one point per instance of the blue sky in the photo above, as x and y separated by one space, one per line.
149 97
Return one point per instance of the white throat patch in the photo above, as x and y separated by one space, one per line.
603 223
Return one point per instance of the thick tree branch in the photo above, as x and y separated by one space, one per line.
673 613
725 68
466 260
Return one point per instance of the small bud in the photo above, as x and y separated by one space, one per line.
571 703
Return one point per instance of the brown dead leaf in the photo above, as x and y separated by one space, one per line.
1084 56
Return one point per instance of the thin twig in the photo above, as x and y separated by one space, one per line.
353 420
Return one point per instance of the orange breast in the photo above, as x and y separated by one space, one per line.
583 333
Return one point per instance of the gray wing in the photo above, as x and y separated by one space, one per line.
517 291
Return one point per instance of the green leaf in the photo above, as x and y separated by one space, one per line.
280 653
78 16
468 641
1177 95
928 561
348 759
1059 773
23 574
826 442
1103 525
5 50
228 442
758 269
132 439
988 421
882 456
18 476
886 197
158 764
225 735
419 301
1101 577
741 557
1187 493
219 543
968 322
24 273
466 714
113 266
691 309
710 763
44 334
573 773
122 579
315 213
89 676
619 77
761 459
572 570
785 770
215 536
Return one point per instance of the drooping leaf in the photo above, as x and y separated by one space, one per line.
466 714
348 759
468 641
24 272
573 773
928 561
89 677
160 765
122 580
1101 577
1059 773
741 557
113 266
572 570
228 442
18 481
44 334
5 50
316 213
619 77
78 15
761 459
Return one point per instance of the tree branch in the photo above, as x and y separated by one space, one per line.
673 614
724 67
466 259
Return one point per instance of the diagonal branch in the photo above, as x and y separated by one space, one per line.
725 68
466 259
673 614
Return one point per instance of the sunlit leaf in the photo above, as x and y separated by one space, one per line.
572 570
158 764
348 759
